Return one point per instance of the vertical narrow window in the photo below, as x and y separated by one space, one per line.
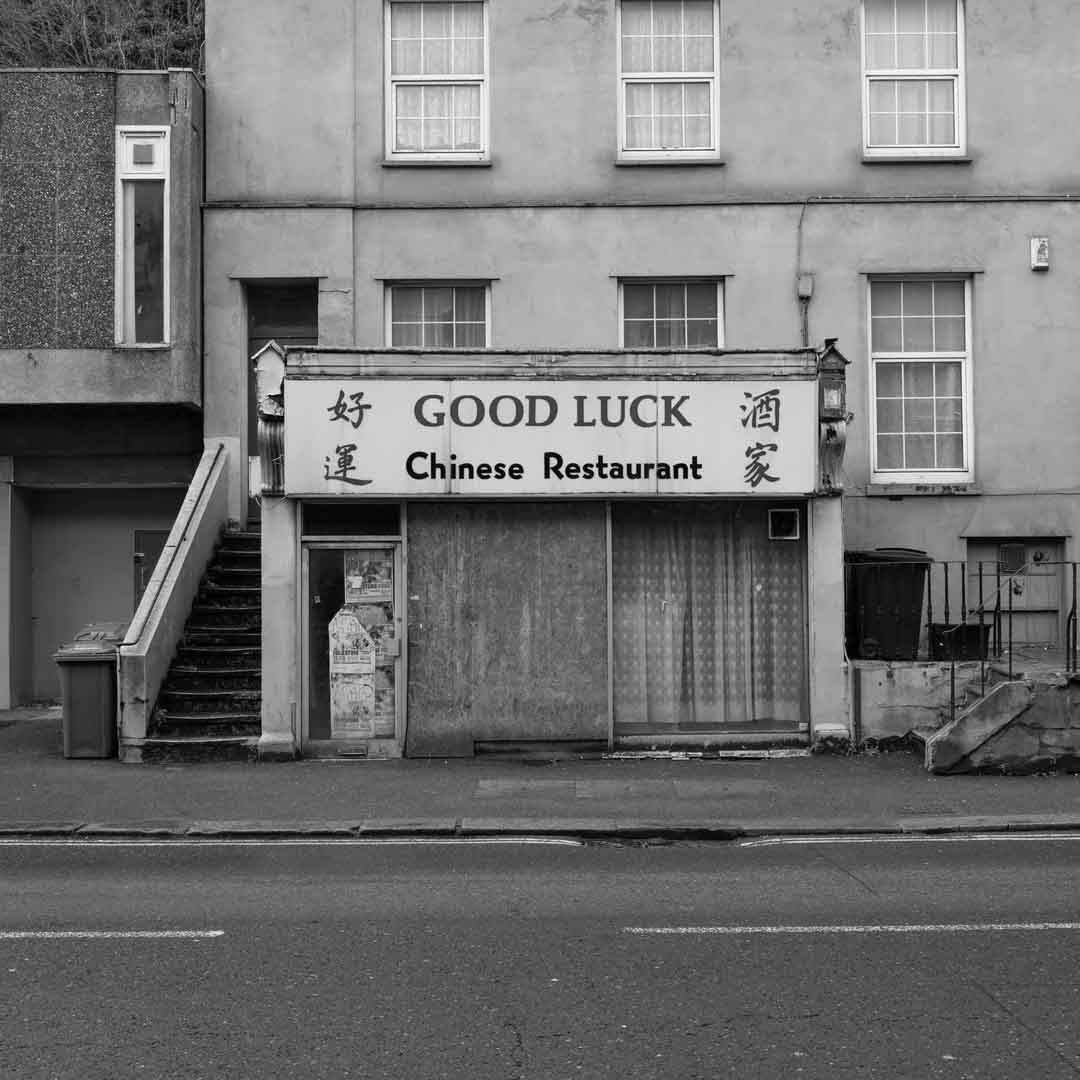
920 344
672 314
667 74
913 86
142 236
438 316
437 81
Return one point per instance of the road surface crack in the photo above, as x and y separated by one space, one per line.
1070 1061
517 1049
849 873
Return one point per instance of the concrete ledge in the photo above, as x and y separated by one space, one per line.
274 747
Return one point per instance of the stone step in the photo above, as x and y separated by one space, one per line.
196 749
216 618
233 577
218 655
206 637
216 594
190 725
213 700
183 679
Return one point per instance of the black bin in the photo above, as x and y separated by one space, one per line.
87 667
959 641
883 602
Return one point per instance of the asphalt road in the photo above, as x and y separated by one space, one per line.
957 959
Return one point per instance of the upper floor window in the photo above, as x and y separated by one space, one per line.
142 235
913 86
437 82
672 314
921 376
438 316
667 75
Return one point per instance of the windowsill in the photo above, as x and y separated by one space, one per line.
944 158
436 163
901 489
155 346
623 162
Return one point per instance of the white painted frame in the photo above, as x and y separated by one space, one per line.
692 280
467 283
390 81
709 153
958 149
128 172
932 476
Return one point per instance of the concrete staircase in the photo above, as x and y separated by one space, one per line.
1021 722
208 708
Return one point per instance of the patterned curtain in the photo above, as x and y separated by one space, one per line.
709 620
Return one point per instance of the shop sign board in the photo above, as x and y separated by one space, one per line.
500 437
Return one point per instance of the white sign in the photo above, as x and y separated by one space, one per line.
492 437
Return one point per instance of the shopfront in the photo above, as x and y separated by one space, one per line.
541 559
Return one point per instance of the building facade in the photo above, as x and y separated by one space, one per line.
100 348
482 233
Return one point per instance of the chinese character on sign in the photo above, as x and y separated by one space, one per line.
757 468
341 409
763 410
346 465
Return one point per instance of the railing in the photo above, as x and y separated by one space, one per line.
894 600
151 639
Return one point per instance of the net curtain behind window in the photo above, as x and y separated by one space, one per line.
709 621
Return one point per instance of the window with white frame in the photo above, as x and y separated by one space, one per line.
437 83
142 235
437 316
672 314
920 346
667 74
913 86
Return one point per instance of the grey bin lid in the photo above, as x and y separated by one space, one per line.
98 641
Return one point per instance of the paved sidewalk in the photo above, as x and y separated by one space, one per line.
41 793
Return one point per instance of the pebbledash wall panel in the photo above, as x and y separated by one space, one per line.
508 618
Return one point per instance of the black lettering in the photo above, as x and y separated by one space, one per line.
553 465
516 471
409 468
671 410
483 471
635 410
455 410
580 399
553 410
437 420
518 411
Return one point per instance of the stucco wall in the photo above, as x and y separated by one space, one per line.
81 564
789 105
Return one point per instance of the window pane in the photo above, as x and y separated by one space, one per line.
409 102
942 50
911 51
919 414
918 380
467 102
436 102
406 304
890 450
911 95
698 53
407 335
669 99
918 297
638 334
881 51
885 298
436 56
436 18
918 335
667 53
438 304
667 18
910 16
468 20
470 335
405 20
639 134
466 134
670 334
941 16
950 451
696 132
638 301
942 130
639 99
879 16
883 96
940 95
146 250
911 130
696 98
701 301
405 57
439 335
698 17
470 304
949 415
885 335
882 130
889 380
702 333
468 56
949 335
919 451
947 379
890 415
670 301
437 135
948 297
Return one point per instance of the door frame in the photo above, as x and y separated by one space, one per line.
373 748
